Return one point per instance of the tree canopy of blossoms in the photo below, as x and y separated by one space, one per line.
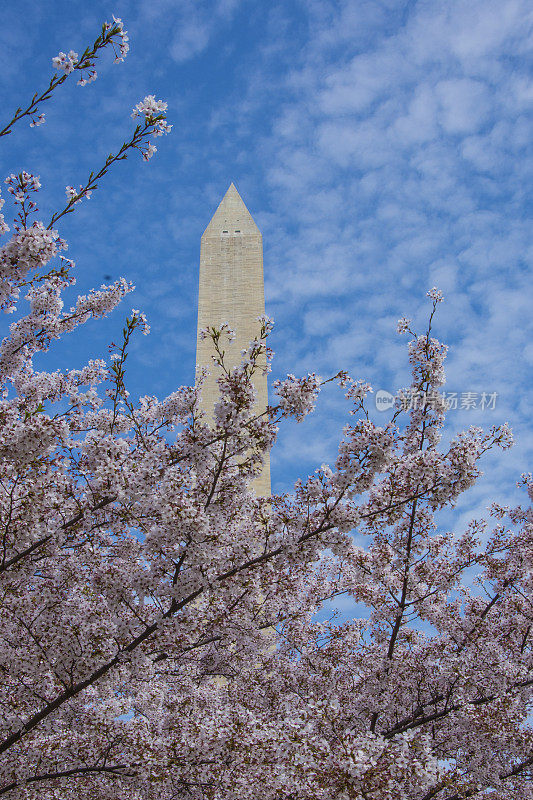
158 634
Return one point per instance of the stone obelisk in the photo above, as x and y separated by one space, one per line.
232 290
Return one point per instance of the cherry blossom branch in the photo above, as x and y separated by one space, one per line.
516 770
117 770
112 34
154 125
405 582
45 539
402 603
464 793
217 474
175 606
434 791
492 602
118 358
415 720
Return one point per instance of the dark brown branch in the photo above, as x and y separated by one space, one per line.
40 542
217 473
116 770
516 770
401 609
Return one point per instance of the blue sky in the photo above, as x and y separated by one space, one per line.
382 148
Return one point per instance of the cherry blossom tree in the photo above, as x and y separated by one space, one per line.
159 636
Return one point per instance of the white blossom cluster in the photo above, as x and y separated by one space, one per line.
68 62
37 120
152 111
77 194
297 396
29 249
19 186
149 107
4 228
123 44
65 62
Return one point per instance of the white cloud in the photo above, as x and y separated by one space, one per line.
197 24
464 104
419 124
190 38
366 79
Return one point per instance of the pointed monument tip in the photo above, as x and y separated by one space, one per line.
231 218
232 189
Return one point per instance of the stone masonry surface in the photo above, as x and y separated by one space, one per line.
232 291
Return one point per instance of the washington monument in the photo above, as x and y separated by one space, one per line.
232 290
